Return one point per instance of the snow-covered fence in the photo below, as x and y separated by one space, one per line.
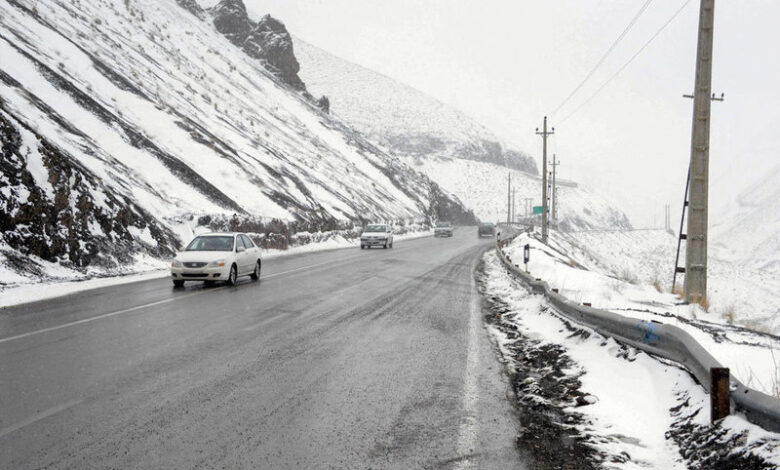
660 339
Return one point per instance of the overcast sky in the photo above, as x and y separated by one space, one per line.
507 63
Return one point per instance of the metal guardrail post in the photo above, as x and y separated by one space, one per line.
720 404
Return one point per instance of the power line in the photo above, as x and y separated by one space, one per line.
604 85
604 57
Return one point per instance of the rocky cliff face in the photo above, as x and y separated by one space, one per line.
57 210
266 40
124 123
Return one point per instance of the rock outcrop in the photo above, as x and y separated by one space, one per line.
266 40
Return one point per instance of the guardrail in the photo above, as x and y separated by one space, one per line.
660 339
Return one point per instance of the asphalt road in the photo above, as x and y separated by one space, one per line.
339 359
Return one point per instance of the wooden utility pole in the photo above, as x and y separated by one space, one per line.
514 214
554 164
544 135
696 245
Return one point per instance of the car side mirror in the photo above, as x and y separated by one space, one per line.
240 249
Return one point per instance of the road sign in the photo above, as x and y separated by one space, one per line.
537 210
526 253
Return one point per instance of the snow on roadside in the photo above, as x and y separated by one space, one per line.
621 282
635 410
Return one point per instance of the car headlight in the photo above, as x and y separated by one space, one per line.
216 264
175 263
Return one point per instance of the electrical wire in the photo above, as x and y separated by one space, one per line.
603 57
609 80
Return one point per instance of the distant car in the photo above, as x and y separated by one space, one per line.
217 257
376 235
443 229
486 230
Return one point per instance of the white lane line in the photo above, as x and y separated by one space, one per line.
307 267
469 427
100 317
159 302
263 322
39 416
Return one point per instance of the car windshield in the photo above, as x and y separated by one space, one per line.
376 228
487 225
443 225
211 244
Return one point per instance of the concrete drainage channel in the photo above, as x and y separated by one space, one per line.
667 341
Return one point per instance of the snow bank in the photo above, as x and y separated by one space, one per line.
616 272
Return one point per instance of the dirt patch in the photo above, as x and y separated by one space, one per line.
542 391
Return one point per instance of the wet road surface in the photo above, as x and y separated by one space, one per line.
338 359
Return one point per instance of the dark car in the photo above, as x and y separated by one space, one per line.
486 230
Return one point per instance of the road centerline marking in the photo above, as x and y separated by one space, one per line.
39 416
102 316
160 302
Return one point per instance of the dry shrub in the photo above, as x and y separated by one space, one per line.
728 314
628 276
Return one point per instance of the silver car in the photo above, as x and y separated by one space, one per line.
376 235
443 229
217 257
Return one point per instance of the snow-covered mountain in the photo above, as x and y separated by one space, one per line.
747 230
121 121
399 117
457 152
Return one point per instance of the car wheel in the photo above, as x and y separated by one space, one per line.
391 244
362 247
384 246
233 277
178 283
256 274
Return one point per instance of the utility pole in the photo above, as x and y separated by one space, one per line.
554 164
514 219
509 198
696 246
529 206
544 135
668 217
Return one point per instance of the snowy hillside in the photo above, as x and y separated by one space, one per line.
399 117
747 231
458 153
122 121
482 187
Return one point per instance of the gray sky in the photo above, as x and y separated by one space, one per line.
508 63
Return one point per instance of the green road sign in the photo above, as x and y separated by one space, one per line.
537 210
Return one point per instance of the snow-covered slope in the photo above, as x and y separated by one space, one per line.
628 274
747 231
400 117
482 186
120 120
458 153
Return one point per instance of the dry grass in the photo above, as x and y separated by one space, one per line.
728 314
678 291
704 304
628 276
